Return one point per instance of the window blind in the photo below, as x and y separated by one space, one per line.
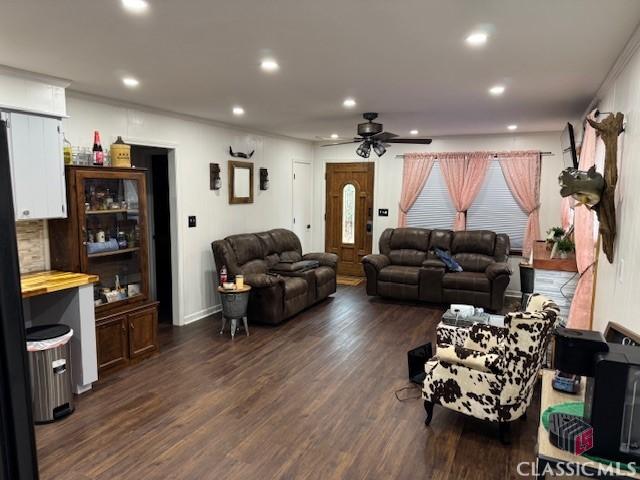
433 207
495 208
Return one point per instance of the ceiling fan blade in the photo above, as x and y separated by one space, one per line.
384 136
416 141
341 143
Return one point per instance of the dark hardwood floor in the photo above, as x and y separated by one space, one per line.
310 399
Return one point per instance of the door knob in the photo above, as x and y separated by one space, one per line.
25 213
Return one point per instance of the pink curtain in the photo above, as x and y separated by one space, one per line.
463 174
415 171
580 313
565 212
522 172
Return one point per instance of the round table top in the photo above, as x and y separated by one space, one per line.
244 289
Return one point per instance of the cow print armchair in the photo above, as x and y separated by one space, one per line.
490 372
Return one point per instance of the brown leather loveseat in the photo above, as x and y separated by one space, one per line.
283 281
407 268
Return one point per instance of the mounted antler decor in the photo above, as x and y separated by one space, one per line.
608 129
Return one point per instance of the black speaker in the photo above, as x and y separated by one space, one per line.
417 358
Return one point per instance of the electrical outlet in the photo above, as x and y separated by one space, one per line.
192 221
383 212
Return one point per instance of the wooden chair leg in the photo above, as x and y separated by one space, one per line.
428 406
504 431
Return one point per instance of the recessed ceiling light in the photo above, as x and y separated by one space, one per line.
130 82
512 127
334 136
135 6
269 65
477 39
238 111
414 132
496 90
349 103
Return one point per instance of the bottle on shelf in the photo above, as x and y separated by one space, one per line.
67 150
98 153
223 275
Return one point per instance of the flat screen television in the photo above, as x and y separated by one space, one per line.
568 142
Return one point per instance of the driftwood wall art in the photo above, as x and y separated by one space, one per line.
608 129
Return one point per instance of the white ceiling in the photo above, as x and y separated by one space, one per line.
405 59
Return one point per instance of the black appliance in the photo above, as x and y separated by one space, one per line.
17 440
612 404
612 396
569 152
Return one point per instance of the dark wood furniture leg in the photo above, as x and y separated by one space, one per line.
504 431
428 406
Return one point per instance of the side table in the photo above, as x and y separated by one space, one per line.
234 308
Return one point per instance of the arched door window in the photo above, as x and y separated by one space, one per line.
348 213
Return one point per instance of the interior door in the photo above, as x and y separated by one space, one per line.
302 195
349 214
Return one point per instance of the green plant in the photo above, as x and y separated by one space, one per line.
566 245
556 233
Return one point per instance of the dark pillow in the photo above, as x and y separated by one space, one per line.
451 264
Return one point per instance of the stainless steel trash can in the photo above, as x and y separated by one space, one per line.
50 371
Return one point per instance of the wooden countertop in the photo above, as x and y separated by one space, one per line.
542 261
40 283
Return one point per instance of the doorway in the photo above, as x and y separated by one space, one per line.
302 188
349 214
156 161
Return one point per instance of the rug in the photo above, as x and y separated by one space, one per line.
349 281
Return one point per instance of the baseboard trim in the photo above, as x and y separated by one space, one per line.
195 316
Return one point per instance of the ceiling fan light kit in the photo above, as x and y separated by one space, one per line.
371 135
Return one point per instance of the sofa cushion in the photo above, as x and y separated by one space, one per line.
440 239
407 257
474 241
410 238
295 266
466 281
246 246
400 274
294 287
254 266
290 256
473 262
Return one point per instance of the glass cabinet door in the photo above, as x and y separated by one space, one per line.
113 237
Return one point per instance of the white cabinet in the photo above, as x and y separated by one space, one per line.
37 166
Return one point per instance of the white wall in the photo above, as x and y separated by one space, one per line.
388 177
197 143
617 298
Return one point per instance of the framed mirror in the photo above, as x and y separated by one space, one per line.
240 182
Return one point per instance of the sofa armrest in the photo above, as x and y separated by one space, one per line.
434 263
466 357
325 259
378 261
262 280
496 269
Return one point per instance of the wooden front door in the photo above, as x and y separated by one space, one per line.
349 217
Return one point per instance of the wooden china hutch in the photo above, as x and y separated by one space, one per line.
106 234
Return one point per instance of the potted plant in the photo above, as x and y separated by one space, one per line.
554 234
565 246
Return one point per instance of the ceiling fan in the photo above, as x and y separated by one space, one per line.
371 136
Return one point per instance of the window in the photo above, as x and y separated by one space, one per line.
348 213
495 208
433 207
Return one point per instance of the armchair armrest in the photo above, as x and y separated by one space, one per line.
325 259
466 357
496 269
262 280
378 261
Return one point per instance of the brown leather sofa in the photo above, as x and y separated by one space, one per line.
407 268
283 280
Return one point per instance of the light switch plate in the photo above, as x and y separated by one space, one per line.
192 221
